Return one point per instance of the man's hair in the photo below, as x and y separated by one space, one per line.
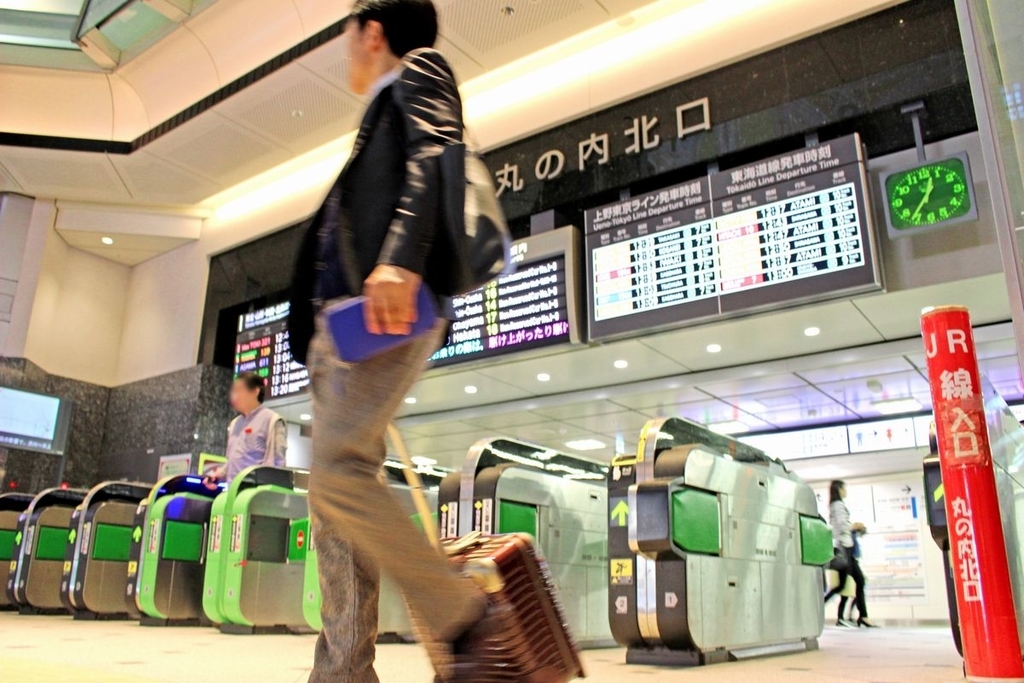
252 380
408 24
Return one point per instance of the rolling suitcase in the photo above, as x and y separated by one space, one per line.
534 645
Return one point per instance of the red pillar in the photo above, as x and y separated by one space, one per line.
988 622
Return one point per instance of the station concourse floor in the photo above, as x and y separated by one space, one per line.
47 649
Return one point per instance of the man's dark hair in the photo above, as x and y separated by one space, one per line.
252 380
408 24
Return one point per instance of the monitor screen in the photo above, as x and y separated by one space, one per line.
263 346
33 422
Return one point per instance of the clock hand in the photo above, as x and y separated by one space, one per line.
927 196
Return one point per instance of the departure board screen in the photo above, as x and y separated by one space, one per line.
263 346
787 229
532 307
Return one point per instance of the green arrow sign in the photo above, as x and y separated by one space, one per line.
137 534
621 513
939 493
72 535
17 537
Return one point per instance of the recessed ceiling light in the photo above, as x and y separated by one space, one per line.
714 348
107 240
543 377
729 427
305 417
897 406
470 389
410 400
812 332
621 364
585 444
423 461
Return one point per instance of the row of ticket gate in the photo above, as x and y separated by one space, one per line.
695 549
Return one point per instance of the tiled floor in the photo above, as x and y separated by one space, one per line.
51 649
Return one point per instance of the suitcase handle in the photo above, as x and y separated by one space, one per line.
412 478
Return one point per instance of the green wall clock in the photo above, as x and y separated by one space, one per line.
929 195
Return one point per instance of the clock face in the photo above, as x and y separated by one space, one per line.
929 195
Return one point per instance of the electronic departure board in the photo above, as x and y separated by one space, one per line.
262 345
787 229
533 307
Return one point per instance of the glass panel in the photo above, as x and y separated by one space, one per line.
135 25
38 29
50 545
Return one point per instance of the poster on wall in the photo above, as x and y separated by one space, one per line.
174 465
209 462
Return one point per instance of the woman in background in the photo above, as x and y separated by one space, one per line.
843 539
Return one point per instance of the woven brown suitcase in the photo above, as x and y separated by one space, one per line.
534 645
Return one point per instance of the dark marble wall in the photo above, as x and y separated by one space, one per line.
84 455
121 433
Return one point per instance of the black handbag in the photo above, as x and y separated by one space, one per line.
473 241
840 562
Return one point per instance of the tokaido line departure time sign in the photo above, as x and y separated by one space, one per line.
791 228
263 346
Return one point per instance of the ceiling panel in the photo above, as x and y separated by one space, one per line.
585 368
68 175
447 392
898 314
507 420
751 385
446 428
860 394
858 370
7 181
709 412
151 179
767 336
682 392
130 250
572 411
787 407
218 149
627 424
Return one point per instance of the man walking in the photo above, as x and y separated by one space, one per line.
373 236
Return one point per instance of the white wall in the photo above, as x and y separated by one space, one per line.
69 308
300 448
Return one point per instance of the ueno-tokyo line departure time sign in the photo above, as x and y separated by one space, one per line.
786 229
263 346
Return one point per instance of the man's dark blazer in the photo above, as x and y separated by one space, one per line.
389 189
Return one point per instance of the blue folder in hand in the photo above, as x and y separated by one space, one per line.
354 343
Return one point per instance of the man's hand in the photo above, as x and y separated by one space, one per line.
211 481
391 294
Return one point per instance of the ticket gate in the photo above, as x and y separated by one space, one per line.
393 625
256 554
12 505
716 551
166 582
33 583
935 507
509 486
98 551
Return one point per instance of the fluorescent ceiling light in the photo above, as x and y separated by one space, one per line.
621 364
107 240
543 377
729 427
812 332
714 348
410 400
585 445
897 406
305 417
470 389
423 461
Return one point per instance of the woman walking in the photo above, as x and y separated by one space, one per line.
847 566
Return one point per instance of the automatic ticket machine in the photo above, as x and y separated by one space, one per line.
256 552
33 583
12 505
509 486
167 569
715 550
393 625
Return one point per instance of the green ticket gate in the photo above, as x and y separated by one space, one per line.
716 551
509 486
256 554
99 549
393 625
33 583
12 506
165 584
